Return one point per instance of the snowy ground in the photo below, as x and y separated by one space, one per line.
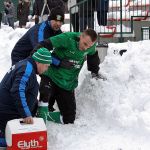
112 114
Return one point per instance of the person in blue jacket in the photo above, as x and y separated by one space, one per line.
19 90
36 34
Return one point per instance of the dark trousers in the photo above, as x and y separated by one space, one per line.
49 92
75 22
2 139
86 21
0 19
11 22
102 18
4 118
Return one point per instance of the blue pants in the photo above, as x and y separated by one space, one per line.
2 139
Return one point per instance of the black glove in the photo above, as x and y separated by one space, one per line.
35 49
98 76
66 64
46 43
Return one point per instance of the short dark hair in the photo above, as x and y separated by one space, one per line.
92 33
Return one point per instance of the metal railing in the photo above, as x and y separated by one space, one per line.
116 20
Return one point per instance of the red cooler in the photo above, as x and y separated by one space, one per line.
20 136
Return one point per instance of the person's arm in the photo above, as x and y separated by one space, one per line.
59 41
55 60
93 62
19 89
46 43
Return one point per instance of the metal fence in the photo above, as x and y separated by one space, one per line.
145 31
109 17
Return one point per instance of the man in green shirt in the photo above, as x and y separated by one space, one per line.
58 83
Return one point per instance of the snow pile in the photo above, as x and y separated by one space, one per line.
8 38
112 114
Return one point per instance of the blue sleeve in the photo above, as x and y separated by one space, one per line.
19 89
41 32
36 34
55 61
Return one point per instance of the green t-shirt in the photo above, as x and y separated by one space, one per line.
66 47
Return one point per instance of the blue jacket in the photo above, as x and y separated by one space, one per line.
30 39
18 91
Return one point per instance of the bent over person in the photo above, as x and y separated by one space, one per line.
19 90
36 34
59 83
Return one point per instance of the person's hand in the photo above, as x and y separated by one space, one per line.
28 120
62 63
98 76
36 19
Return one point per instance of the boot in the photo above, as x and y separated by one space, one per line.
42 111
55 117
51 109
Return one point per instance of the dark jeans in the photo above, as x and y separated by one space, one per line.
0 19
2 139
11 22
86 21
3 121
102 18
75 22
49 92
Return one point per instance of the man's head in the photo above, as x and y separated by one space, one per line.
43 59
87 39
57 18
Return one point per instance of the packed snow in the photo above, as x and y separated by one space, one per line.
112 114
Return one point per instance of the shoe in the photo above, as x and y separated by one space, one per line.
98 76
51 109
55 117
42 112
